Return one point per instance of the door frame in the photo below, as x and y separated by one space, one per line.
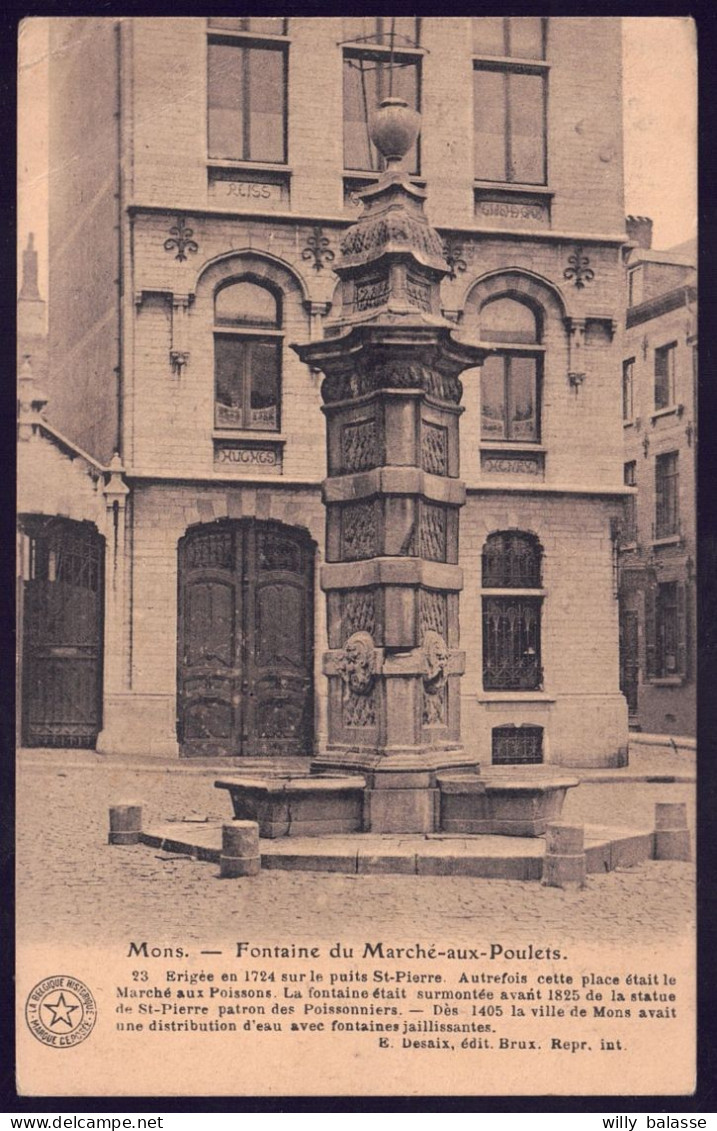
244 547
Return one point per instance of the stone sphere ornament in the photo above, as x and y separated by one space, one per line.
394 128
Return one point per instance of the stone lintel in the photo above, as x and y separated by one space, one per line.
394 481
391 571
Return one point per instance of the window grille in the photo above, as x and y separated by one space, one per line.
511 560
521 746
511 623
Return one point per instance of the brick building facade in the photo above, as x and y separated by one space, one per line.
658 548
203 172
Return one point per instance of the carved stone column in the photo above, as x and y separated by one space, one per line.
393 495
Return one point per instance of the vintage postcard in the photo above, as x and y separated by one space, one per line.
357 365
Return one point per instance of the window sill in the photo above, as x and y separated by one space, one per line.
522 189
670 540
514 697
515 592
245 36
511 446
512 61
629 423
250 166
368 176
248 436
670 410
667 681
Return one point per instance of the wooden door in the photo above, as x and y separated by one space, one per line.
63 604
246 639
279 640
209 642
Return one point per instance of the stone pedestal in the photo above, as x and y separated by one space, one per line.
564 863
240 850
672 837
125 824
393 495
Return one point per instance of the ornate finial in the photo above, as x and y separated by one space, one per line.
394 128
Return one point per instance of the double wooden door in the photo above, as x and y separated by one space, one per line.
245 639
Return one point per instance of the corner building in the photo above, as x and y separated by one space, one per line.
658 618
203 172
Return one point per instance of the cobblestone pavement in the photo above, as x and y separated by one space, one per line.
68 876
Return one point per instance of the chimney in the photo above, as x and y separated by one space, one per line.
639 230
29 288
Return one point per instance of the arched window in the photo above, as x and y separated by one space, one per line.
512 605
247 356
511 377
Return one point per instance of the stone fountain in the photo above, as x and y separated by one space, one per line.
394 761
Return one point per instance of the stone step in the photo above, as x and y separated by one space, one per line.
431 854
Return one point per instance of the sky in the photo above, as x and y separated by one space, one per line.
660 129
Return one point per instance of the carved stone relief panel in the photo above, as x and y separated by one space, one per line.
419 293
359 449
372 293
358 612
434 449
359 531
432 612
432 532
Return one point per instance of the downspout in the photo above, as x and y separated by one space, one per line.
120 240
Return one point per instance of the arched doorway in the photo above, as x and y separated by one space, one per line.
62 606
245 662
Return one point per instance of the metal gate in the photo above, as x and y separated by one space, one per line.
245 679
629 658
62 631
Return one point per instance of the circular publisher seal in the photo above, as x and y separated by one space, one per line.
60 1011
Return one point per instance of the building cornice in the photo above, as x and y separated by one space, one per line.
273 481
277 217
663 304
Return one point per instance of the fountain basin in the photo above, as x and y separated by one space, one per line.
298 806
501 806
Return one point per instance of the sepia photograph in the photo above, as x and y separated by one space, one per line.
357 428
